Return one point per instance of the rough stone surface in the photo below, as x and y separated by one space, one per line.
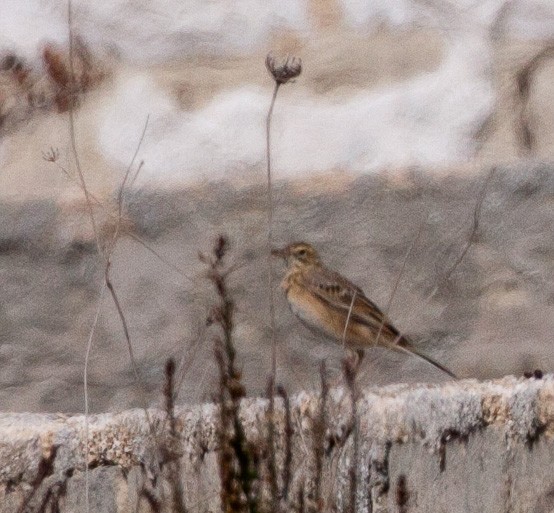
491 317
459 447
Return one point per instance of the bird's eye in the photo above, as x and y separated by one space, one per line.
302 252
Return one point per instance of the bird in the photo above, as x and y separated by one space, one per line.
329 304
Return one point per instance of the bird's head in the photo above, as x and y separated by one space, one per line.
298 254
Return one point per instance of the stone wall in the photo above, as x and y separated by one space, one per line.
400 114
464 446
491 317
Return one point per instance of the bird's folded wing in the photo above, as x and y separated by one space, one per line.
341 294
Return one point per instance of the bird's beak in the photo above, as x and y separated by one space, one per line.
281 253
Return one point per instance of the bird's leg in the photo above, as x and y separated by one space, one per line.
354 358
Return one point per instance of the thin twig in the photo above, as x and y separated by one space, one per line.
350 370
471 238
120 198
474 226
399 278
109 253
319 427
125 178
52 156
139 168
172 448
106 253
271 455
123 320
282 72
72 136
288 442
348 318
271 297
186 364
115 298
73 144
162 259
85 386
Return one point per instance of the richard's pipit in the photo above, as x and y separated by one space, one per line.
329 303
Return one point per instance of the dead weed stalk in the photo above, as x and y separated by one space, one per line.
237 457
282 72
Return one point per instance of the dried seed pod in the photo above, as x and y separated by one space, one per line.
285 70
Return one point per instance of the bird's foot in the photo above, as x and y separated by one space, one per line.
353 359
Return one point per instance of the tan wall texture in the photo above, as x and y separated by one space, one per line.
459 447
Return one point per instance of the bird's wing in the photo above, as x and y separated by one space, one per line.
341 294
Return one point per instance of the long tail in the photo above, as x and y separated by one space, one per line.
405 346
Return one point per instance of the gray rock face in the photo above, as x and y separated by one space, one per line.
490 317
459 447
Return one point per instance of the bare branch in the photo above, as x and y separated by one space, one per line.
399 278
126 231
72 136
348 318
282 72
271 296
471 236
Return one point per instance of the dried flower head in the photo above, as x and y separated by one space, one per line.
284 70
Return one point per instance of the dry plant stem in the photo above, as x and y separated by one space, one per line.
348 319
402 494
73 142
350 371
133 236
185 364
471 237
72 135
123 320
107 255
158 256
127 173
271 456
399 278
113 293
120 197
271 297
474 226
139 168
320 425
238 472
175 470
288 442
52 157
85 385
